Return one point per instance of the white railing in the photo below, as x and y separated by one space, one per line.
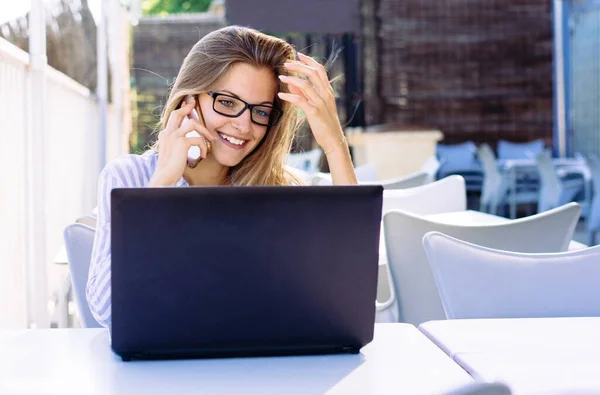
71 156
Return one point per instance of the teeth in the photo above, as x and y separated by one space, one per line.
232 140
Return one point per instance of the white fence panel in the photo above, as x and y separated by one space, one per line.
71 169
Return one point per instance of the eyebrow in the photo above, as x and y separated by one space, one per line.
234 95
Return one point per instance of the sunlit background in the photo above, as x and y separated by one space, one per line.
436 87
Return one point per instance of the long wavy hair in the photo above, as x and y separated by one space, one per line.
208 61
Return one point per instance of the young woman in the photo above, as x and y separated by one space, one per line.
244 93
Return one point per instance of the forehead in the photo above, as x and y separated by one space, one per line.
252 84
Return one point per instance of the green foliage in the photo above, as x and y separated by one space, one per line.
164 7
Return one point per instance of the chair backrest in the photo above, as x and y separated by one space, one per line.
87 220
364 173
442 196
411 181
417 296
493 184
308 161
457 157
79 241
512 150
301 175
593 220
431 167
480 282
550 188
481 388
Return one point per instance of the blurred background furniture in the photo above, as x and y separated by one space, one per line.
394 150
495 188
554 190
460 159
515 150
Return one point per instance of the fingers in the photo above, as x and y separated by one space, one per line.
198 141
305 86
193 125
313 63
313 75
295 91
298 100
177 116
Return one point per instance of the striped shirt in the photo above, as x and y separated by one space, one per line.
130 171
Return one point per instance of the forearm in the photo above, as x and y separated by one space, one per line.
340 164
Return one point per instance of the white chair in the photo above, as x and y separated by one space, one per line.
496 187
364 173
593 219
554 191
479 282
443 196
416 292
481 388
301 175
431 167
308 161
423 200
411 181
79 241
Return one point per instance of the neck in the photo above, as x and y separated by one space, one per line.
208 172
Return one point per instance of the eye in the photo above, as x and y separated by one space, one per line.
226 103
261 113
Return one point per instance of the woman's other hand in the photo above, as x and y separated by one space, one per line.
315 96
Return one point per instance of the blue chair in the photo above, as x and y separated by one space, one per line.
593 219
554 191
512 150
79 242
460 159
480 282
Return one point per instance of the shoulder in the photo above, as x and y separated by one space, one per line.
131 170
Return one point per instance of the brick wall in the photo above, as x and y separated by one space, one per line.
476 69
159 47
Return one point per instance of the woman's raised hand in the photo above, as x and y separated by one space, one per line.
173 145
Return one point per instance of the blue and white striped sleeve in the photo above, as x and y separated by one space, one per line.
98 289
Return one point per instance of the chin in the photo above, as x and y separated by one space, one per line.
228 160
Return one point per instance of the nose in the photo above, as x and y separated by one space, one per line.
243 123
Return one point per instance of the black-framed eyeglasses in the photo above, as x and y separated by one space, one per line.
233 107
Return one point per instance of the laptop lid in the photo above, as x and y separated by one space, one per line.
220 271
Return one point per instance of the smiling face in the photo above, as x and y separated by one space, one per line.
238 137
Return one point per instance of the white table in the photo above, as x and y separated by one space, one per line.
400 360
533 355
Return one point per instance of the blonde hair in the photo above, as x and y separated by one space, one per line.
208 61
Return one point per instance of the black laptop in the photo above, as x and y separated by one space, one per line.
244 271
